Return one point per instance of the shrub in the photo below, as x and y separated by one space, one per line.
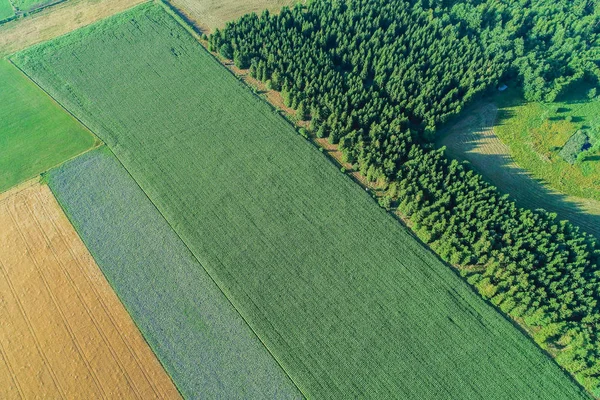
574 146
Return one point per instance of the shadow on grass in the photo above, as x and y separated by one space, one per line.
471 138
503 115
186 19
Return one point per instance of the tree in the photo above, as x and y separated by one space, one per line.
301 111
241 60
226 51
591 94
381 86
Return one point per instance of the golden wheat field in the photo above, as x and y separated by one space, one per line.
64 332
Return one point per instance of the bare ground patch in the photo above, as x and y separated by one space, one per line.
56 21
212 14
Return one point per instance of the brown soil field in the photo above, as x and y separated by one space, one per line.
472 138
56 21
211 14
64 333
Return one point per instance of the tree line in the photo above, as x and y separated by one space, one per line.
378 77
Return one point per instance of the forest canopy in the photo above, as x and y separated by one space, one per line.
378 77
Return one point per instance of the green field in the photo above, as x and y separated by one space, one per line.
203 343
6 10
344 297
35 132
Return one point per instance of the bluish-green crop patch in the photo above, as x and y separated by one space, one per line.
203 343
345 298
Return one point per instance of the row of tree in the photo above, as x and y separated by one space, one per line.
378 77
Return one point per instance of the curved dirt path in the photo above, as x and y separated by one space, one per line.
472 138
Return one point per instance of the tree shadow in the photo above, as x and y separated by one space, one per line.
528 191
186 19
503 115
577 119
577 93
476 143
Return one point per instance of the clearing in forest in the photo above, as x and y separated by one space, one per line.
64 332
538 135
212 14
203 343
473 138
35 132
344 297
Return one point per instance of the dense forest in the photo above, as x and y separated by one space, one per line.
378 77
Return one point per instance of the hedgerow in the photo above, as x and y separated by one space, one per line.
378 77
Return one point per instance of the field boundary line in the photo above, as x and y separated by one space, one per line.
49 9
394 213
98 141
53 99
69 248
54 300
114 291
77 292
170 12
38 177
35 10
18 188
208 273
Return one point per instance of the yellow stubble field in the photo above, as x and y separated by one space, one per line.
63 331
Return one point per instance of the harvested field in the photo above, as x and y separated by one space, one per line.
64 333
472 138
211 14
56 21
204 344
349 303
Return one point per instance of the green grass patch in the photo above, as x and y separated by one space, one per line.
6 10
29 5
345 298
35 132
203 343
536 134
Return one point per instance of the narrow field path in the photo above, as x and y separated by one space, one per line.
341 295
472 138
